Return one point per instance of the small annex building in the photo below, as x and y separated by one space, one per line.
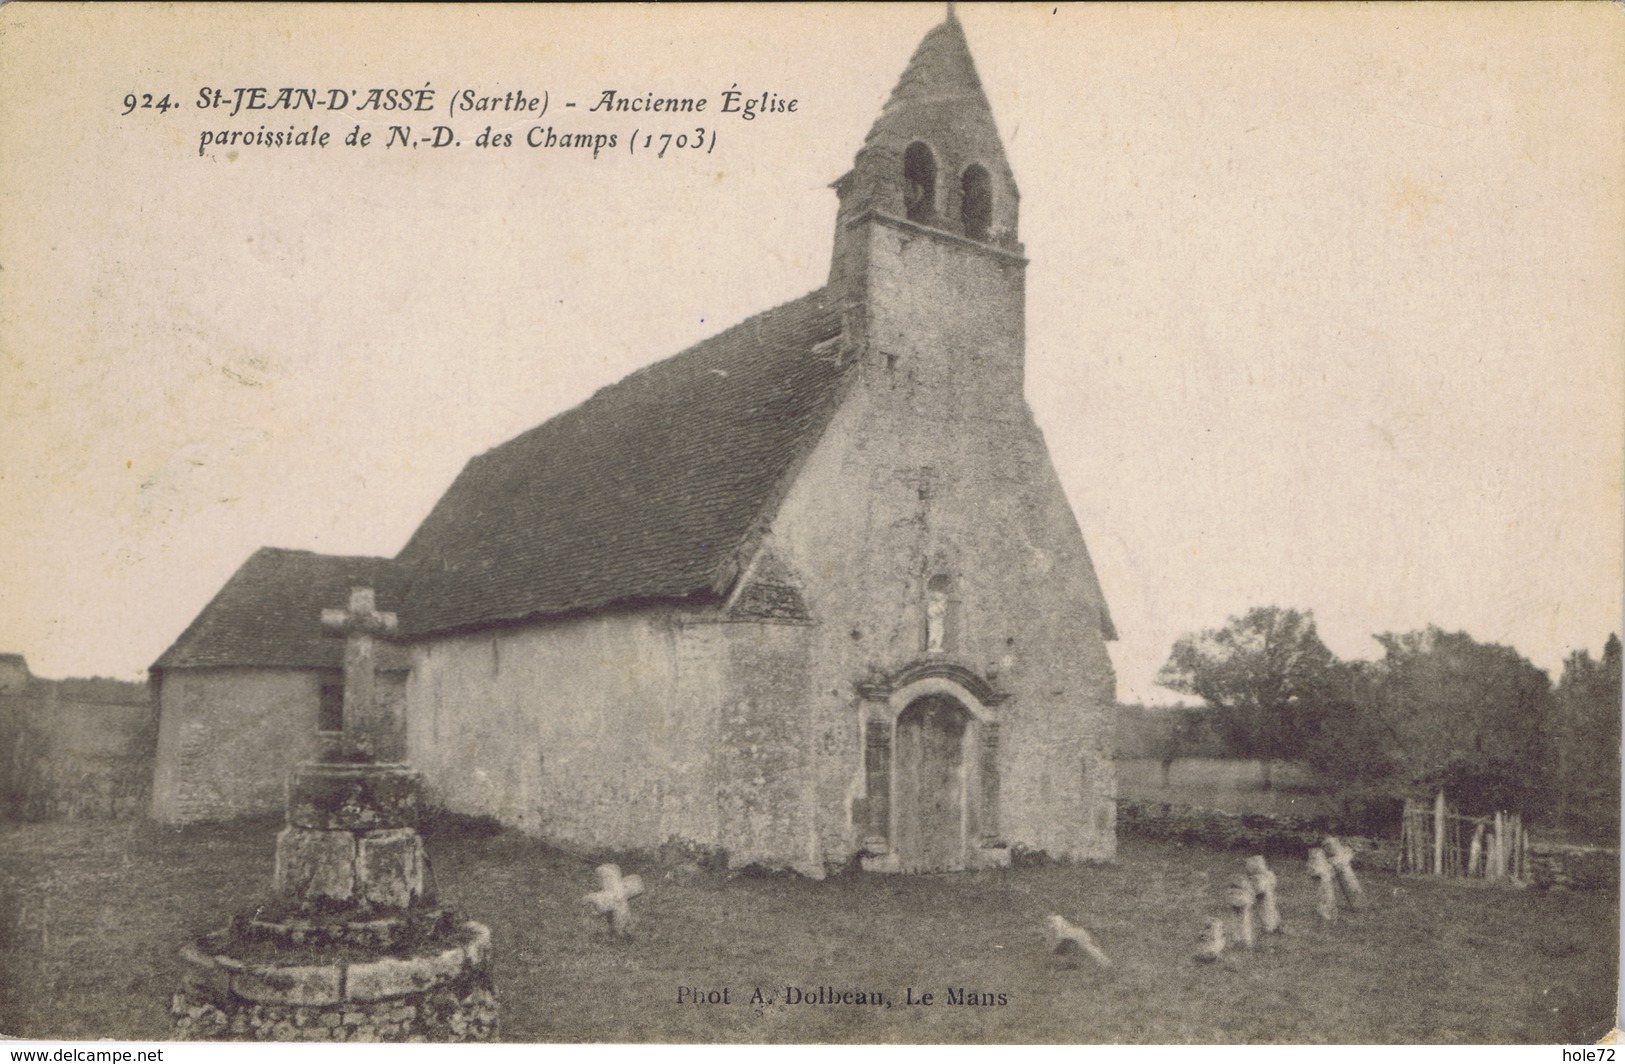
808 593
252 687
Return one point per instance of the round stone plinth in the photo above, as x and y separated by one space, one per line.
336 796
439 993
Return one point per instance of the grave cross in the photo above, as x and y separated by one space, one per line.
359 625
1263 883
1212 941
611 899
1240 895
1067 938
1342 861
1321 869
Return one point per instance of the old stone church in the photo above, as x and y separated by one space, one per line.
806 593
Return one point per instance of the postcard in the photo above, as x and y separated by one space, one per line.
811 524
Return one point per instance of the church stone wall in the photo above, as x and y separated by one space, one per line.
769 745
934 468
228 737
747 735
595 732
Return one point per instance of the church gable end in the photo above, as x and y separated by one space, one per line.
937 544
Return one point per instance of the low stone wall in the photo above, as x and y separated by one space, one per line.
1551 865
432 1016
62 758
1272 834
1554 866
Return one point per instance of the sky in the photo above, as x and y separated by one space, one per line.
1325 309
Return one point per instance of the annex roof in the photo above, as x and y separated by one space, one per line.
269 613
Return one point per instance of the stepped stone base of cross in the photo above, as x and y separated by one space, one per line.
353 946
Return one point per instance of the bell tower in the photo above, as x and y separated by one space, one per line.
932 161
926 241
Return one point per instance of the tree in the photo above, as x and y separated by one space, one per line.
1585 740
1266 677
1469 717
1351 747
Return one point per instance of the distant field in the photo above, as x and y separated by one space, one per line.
1231 786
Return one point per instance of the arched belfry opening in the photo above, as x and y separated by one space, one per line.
976 202
919 182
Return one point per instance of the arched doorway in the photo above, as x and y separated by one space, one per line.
929 785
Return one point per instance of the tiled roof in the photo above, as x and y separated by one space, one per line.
270 612
643 493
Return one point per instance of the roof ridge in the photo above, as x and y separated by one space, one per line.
307 552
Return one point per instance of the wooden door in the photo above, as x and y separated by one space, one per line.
929 786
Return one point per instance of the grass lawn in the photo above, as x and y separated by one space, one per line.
92 914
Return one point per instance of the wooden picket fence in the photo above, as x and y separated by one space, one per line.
1436 840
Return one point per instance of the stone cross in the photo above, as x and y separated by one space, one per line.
611 899
1240 896
1068 939
1342 859
360 625
1321 869
1212 941
1263 884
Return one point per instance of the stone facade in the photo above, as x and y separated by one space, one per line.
921 555
934 472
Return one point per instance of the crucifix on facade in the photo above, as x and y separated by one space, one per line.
360 625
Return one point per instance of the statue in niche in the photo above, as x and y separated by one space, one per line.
936 615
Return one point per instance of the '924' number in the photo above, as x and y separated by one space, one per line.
146 102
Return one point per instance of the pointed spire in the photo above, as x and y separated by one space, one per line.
940 72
